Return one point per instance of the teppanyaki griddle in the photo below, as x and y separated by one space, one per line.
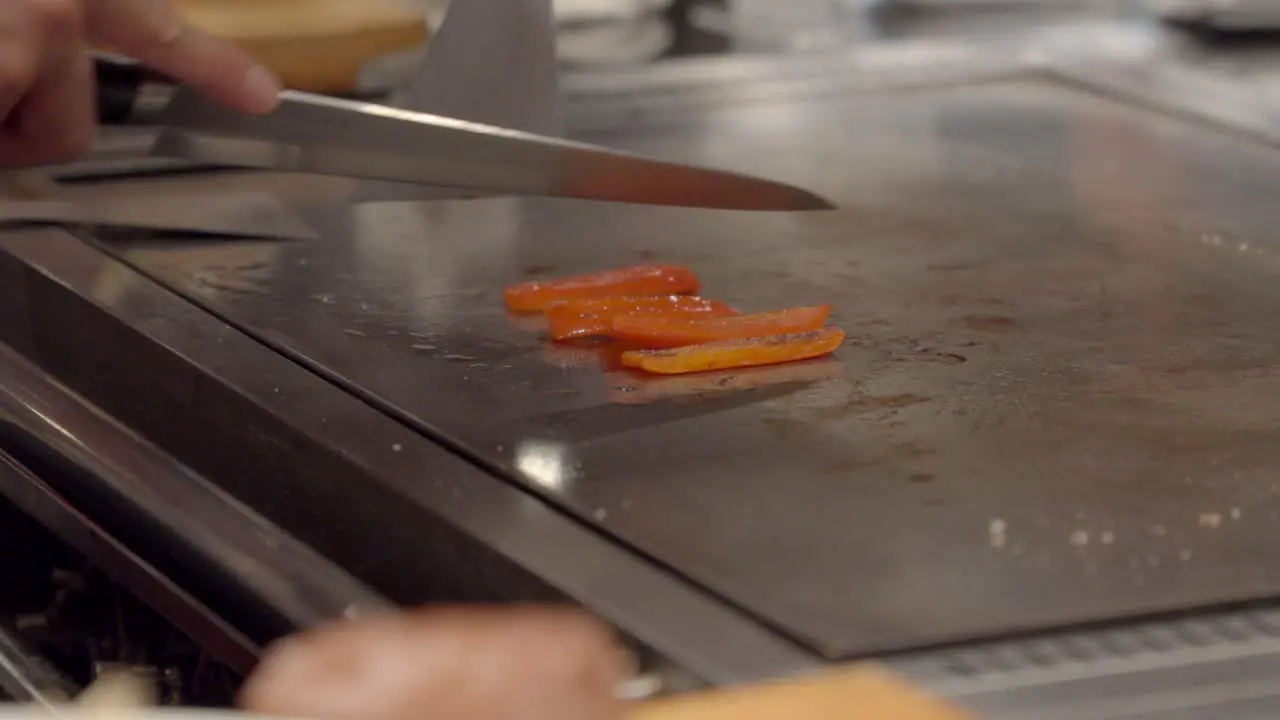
1054 406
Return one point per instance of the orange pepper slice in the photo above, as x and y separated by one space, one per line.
667 331
537 295
585 317
627 389
747 352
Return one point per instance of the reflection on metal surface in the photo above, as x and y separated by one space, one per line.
545 463
1090 42
491 62
239 268
403 239
1179 90
767 25
640 688
621 42
236 215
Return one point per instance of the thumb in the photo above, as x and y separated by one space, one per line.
153 33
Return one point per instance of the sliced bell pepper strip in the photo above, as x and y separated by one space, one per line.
537 295
666 331
629 388
747 352
585 317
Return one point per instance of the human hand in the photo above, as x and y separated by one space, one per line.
463 664
46 76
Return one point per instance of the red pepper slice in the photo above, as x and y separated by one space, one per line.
625 388
666 331
748 352
585 317
537 295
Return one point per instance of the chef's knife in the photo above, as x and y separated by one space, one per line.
330 136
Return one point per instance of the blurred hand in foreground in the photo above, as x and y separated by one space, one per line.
46 76
461 664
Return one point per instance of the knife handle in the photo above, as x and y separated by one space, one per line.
123 90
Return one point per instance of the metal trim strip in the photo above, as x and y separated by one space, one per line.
36 498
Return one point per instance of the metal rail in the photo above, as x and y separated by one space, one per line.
25 677
169 513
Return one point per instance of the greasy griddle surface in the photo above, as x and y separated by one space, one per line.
1059 401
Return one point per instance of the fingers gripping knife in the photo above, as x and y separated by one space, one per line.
329 136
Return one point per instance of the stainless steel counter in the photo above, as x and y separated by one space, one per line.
1053 410
1048 413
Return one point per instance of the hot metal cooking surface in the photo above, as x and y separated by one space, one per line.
1057 403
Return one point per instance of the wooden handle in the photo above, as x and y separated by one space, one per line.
314 45
859 693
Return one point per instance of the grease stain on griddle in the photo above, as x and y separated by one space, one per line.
861 404
943 358
948 267
909 349
912 450
990 323
960 300
784 427
228 283
537 270
843 467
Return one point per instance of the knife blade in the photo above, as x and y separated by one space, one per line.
331 136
